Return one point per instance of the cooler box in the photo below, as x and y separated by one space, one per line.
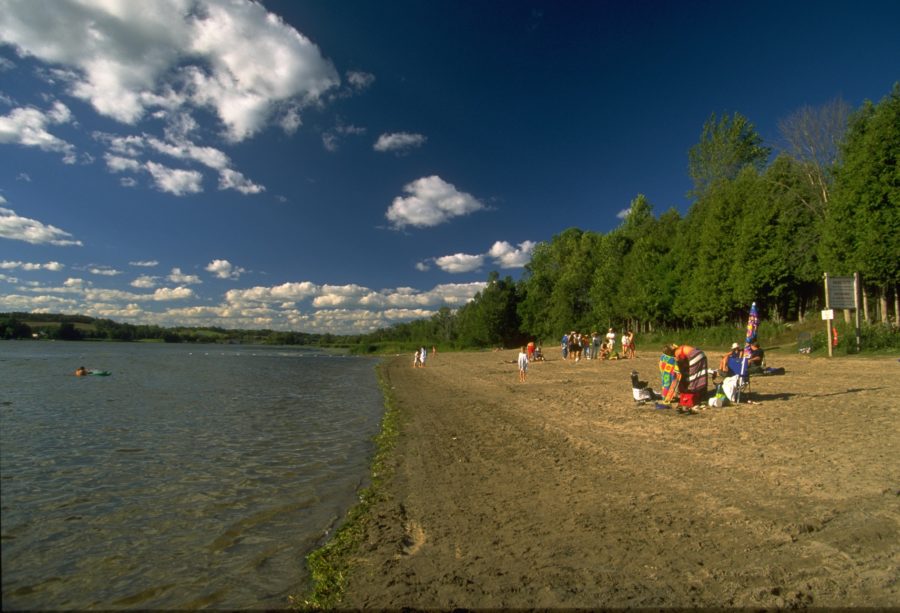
689 399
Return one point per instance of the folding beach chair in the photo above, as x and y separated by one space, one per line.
743 383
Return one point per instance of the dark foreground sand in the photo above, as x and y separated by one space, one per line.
560 492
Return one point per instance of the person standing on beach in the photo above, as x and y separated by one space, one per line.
693 366
611 340
523 365
575 345
631 352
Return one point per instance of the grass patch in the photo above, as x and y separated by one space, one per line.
876 339
329 565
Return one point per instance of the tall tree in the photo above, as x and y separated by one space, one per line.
643 267
537 284
862 225
490 319
726 146
607 308
557 282
705 250
813 136
774 254
794 237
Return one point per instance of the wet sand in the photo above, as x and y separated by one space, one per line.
562 492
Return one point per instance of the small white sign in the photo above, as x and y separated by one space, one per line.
828 314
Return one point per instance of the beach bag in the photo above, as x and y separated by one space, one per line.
730 386
719 400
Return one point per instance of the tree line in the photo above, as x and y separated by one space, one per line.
81 327
763 227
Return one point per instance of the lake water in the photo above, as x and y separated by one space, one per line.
194 476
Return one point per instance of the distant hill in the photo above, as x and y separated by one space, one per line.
61 326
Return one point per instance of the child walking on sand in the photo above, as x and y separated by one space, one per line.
523 364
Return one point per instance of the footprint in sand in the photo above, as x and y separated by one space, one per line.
414 539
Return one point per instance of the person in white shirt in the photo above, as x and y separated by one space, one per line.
523 365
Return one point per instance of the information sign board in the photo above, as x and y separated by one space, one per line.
841 293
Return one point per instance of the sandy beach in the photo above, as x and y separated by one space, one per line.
561 492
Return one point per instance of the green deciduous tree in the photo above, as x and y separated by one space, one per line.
490 319
726 146
783 236
10 328
633 278
862 225
557 282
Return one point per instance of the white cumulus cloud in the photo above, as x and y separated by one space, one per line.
430 201
503 254
177 293
31 231
118 163
399 141
507 256
128 59
176 276
123 152
104 271
28 127
459 262
232 179
10 265
144 282
286 292
175 180
223 269
340 295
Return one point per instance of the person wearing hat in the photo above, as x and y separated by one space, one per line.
732 357
756 358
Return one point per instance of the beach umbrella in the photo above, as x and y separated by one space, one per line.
752 325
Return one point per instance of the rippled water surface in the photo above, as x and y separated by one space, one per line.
193 476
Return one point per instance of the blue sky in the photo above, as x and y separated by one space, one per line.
342 166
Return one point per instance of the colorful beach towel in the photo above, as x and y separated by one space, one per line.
668 370
696 374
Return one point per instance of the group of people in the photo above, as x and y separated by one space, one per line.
421 355
576 345
684 369
730 364
533 352
684 372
